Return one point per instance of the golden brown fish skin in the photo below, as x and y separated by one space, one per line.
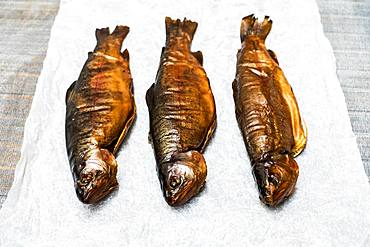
100 110
182 115
267 113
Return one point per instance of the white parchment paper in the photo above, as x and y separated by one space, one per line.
331 205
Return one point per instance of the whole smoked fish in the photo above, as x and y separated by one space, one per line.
100 110
267 113
182 114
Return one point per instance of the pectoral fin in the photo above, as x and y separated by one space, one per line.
125 129
300 143
298 128
209 134
115 145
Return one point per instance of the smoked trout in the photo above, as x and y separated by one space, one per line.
267 114
100 110
182 114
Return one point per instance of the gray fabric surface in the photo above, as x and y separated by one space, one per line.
347 26
25 29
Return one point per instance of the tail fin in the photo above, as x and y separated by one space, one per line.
177 28
110 43
250 26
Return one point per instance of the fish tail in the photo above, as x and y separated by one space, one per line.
251 27
178 28
110 43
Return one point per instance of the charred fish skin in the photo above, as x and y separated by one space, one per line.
100 109
182 115
267 113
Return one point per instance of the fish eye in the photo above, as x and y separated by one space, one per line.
98 173
86 178
272 179
175 181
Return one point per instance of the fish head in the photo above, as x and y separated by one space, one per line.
98 177
183 177
276 178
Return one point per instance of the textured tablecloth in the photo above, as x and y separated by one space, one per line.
330 205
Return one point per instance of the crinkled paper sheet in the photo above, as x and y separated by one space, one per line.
331 205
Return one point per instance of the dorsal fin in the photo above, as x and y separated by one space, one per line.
126 55
69 91
149 96
149 101
199 56
273 55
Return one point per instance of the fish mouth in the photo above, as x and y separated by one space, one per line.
96 190
272 195
276 179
